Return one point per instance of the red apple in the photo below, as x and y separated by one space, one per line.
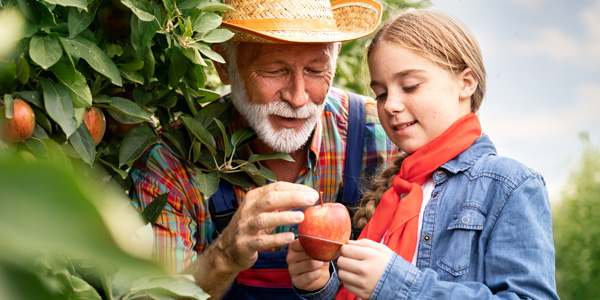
22 124
95 122
329 221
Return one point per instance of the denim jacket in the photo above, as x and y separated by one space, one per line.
486 234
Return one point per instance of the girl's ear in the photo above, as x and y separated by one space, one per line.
467 84
221 68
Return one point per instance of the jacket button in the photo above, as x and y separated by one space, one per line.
440 173
436 194
426 238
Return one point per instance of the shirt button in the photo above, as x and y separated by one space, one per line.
440 173
436 194
426 238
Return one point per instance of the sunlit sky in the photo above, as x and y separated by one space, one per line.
543 64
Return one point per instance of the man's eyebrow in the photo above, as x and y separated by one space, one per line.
401 74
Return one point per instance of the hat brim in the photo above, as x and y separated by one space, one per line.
354 19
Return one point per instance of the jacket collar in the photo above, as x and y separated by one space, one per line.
483 146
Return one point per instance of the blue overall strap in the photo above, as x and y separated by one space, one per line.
354 150
222 206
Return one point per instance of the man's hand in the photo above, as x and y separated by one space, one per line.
361 265
262 210
307 274
248 232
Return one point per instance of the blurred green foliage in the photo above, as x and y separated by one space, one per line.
576 225
67 234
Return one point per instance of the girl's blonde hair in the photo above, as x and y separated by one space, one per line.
447 42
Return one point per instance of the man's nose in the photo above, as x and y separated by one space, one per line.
297 95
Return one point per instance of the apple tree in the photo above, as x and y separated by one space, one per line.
100 79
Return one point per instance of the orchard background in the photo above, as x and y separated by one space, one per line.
105 80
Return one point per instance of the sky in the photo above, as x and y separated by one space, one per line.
543 86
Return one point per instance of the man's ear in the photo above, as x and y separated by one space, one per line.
220 67
467 84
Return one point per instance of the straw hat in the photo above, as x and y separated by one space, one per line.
301 21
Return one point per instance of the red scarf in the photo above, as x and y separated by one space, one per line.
396 220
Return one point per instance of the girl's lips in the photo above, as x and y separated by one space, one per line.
403 125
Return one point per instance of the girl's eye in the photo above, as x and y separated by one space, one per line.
381 97
411 88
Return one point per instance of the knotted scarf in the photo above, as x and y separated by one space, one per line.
396 218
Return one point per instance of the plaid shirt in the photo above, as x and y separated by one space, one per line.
184 227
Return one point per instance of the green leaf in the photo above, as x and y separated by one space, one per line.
45 50
83 143
200 132
240 178
81 289
261 157
141 8
129 108
224 137
80 19
37 147
25 282
9 110
177 67
74 82
121 117
137 140
59 105
74 3
194 56
149 66
238 137
153 210
32 97
217 36
56 154
174 285
206 51
207 22
141 35
132 76
222 111
260 176
207 182
213 6
195 78
37 12
94 56
23 70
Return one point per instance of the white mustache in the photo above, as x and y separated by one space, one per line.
283 109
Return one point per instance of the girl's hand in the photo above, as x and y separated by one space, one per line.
361 265
307 274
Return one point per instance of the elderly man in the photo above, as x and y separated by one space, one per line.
280 66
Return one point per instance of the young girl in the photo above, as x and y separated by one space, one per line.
449 219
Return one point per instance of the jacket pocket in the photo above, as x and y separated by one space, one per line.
466 225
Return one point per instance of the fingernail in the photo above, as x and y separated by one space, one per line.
289 238
298 216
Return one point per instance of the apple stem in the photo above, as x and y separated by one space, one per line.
321 198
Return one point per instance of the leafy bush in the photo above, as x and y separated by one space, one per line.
576 230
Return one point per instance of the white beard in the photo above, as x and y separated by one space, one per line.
284 140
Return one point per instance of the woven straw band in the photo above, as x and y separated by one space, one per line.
301 21
287 24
